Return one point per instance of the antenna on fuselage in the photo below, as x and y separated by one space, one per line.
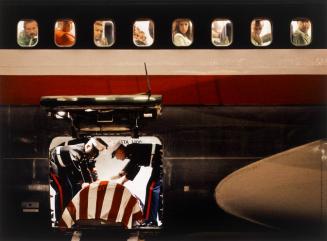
147 81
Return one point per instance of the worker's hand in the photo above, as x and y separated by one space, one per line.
94 174
124 181
85 184
115 177
120 174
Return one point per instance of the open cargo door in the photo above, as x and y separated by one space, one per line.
104 114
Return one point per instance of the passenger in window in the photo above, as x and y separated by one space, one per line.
182 32
221 34
99 38
143 155
139 36
64 34
141 33
301 36
28 37
257 38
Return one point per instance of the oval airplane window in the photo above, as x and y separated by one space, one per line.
27 33
300 32
143 33
221 32
65 33
182 32
103 33
261 32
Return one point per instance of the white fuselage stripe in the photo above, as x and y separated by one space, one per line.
164 62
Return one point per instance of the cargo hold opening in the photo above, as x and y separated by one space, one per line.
107 172
116 200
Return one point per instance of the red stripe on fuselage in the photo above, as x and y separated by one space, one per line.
176 90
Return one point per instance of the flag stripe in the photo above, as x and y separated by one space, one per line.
83 206
128 209
102 188
72 210
116 203
92 202
126 196
63 224
103 200
76 201
107 203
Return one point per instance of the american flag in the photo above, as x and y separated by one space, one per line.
105 201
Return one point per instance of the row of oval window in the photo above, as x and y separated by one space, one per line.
182 32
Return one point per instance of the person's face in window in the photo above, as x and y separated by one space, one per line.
258 28
142 36
304 26
98 30
136 32
31 29
139 35
183 26
215 27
